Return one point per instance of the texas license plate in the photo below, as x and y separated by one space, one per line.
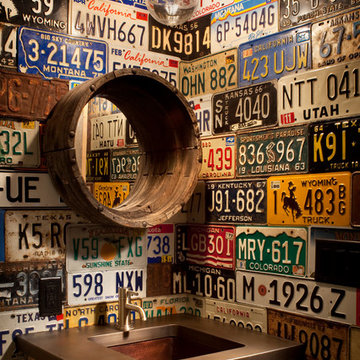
203 112
312 199
60 56
272 250
209 74
275 56
111 194
245 108
98 166
241 201
160 243
8 49
124 164
335 40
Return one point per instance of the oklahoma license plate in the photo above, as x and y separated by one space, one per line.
111 194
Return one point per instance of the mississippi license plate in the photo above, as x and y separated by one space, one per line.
335 40
60 56
100 286
203 112
319 336
241 22
111 194
160 243
209 74
308 297
218 158
274 151
275 56
8 49
312 199
319 94
97 166
125 164
240 201
245 108
334 145
272 250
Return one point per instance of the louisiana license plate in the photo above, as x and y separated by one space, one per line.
111 194
97 166
240 201
8 49
124 164
309 199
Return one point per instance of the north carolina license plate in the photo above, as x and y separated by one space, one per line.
274 151
240 201
335 40
124 164
275 56
160 243
319 94
272 250
111 194
209 74
203 112
245 108
309 199
241 22
60 56
8 49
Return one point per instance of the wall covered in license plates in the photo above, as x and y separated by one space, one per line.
269 238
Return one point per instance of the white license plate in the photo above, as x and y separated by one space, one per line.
165 305
160 243
208 6
337 303
203 112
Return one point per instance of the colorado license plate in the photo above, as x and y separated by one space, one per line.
111 194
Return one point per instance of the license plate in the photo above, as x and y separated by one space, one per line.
28 96
99 286
205 7
272 250
107 132
159 279
334 145
354 343
160 243
19 143
274 151
312 199
206 245
241 201
275 56
99 106
60 56
241 22
210 74
319 95
245 316
28 190
125 164
355 213
111 194
130 136
165 305
308 297
37 235
188 41
336 40
201 106
109 21
245 108
8 50
218 158
97 166
319 336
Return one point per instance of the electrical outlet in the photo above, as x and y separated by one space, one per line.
50 297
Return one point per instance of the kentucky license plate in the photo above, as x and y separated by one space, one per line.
309 199
111 194
125 164
8 49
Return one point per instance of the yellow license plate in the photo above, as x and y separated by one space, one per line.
309 199
111 194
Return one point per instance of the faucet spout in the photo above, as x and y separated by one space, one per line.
139 309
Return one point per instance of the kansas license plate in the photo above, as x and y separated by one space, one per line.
210 74
240 201
312 199
245 108
275 56
8 49
125 164
274 151
203 112
98 166
335 40
319 94
160 243
241 22
111 194
272 250
60 56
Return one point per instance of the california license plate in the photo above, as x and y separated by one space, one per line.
309 199
8 49
124 164
111 194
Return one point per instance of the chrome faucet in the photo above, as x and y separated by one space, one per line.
125 307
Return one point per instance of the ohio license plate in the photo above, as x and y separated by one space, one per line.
319 94
312 199
60 56
272 250
206 245
336 303
275 56
124 164
97 166
203 112
240 201
111 194
241 22
334 145
335 40
209 74
8 49
274 151
160 243
218 158
320 337
245 108
99 286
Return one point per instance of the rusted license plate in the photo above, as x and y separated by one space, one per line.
98 166
159 279
313 199
124 164
160 243
111 194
